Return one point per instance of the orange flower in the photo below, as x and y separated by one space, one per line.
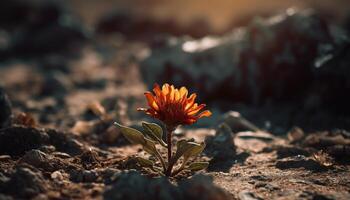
172 106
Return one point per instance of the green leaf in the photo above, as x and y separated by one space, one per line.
150 146
195 149
154 132
196 166
145 162
132 135
185 147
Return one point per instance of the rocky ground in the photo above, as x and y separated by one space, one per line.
63 85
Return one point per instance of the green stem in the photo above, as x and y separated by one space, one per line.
182 167
170 164
161 160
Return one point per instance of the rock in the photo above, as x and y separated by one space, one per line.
246 195
260 178
134 26
332 74
246 64
4 158
39 27
134 186
84 176
64 143
36 158
17 140
336 143
111 135
110 174
5 197
61 155
325 139
221 148
254 141
24 183
300 162
47 148
296 134
238 123
25 119
90 175
284 151
57 175
6 110
316 196
202 187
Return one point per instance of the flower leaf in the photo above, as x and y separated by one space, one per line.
132 135
187 148
154 132
196 166
145 162
196 149
150 146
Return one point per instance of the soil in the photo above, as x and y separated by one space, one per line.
57 139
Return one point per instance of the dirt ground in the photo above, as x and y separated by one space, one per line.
57 139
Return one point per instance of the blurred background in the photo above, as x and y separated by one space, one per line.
280 63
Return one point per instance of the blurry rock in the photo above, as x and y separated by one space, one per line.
133 186
251 64
316 196
111 135
97 109
6 109
47 148
340 153
300 162
254 141
39 27
221 148
110 174
25 119
284 151
64 143
323 158
202 187
29 13
57 175
296 134
246 195
55 84
36 158
332 74
4 158
238 123
322 140
82 128
134 26
84 176
17 140
25 183
222 144
89 158
61 155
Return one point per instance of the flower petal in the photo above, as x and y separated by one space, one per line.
151 101
205 113
190 101
183 92
195 109
156 89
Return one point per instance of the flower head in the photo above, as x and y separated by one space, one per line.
172 106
